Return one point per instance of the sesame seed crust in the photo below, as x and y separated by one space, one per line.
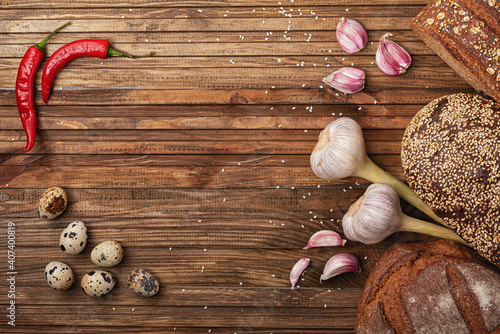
450 156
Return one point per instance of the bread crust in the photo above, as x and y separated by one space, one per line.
430 288
466 35
450 158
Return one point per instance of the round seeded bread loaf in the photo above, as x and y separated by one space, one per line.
435 287
451 158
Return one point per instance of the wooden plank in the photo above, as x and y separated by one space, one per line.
276 48
389 163
98 177
369 116
201 297
142 13
208 232
232 78
266 203
209 135
276 123
165 316
285 61
108 96
182 147
203 135
172 330
252 22
198 3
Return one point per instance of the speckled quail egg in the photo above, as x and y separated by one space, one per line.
97 283
143 283
59 275
73 238
107 254
53 202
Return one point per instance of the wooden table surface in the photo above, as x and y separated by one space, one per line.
197 160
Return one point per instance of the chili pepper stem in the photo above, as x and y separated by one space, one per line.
112 52
40 45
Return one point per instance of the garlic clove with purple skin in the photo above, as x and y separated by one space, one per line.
391 58
297 270
351 35
377 214
340 152
340 264
325 238
346 80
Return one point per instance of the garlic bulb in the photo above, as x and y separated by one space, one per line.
377 214
340 150
340 153
351 35
391 58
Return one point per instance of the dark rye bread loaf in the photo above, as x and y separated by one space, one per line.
437 287
466 35
451 158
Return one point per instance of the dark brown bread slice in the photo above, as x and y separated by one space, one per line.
437 287
466 35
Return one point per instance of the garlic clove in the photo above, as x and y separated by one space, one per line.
325 238
297 270
346 80
374 216
351 35
340 264
340 150
391 58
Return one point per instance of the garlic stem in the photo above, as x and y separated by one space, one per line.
410 224
371 172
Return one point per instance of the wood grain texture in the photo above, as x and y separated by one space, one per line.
197 159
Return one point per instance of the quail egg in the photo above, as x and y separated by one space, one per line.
53 202
143 283
97 283
73 238
59 275
107 254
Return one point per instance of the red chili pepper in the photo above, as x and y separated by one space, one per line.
25 87
81 48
